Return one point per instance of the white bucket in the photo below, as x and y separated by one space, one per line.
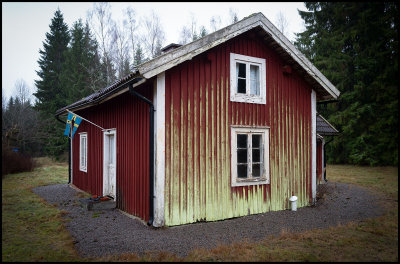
293 203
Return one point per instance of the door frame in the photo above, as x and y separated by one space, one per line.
106 142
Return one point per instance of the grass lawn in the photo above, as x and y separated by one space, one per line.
31 229
34 230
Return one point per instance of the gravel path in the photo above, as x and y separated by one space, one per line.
109 232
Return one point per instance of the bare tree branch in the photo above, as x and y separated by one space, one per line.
282 23
154 36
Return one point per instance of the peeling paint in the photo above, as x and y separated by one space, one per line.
198 137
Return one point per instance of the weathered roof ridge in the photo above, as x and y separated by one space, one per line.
188 51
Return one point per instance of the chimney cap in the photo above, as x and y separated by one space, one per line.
170 47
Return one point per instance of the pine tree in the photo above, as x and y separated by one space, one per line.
355 45
50 94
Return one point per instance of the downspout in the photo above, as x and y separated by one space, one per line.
69 152
325 158
151 152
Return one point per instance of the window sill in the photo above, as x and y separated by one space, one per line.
252 99
249 182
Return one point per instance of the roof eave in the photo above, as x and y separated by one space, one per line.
119 89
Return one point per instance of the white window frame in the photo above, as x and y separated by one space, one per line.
249 130
247 98
83 143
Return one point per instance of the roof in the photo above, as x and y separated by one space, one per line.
324 128
257 22
117 87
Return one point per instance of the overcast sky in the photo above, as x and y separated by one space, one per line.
24 26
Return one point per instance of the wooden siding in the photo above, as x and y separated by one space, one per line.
130 117
198 116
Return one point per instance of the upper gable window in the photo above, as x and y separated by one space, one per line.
248 82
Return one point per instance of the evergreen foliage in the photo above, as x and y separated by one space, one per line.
355 45
139 56
203 32
80 76
50 93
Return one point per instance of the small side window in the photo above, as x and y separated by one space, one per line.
83 152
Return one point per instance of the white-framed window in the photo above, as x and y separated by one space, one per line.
249 155
83 152
248 79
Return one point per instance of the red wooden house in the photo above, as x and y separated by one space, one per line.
221 127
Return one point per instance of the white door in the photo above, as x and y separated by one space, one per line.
109 163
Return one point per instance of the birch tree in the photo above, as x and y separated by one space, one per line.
102 25
281 23
132 26
121 35
154 35
215 23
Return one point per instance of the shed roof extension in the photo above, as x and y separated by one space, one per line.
324 128
256 22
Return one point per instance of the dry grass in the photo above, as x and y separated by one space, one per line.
48 162
370 240
382 179
34 231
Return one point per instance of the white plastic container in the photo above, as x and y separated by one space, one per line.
293 203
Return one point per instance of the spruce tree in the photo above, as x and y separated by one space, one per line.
203 32
356 46
80 76
50 94
139 56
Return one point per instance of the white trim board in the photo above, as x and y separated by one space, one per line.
159 139
313 145
107 132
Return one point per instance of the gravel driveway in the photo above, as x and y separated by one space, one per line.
110 232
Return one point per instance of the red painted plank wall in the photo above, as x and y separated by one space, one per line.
198 118
130 117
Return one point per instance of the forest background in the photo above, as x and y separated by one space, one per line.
355 45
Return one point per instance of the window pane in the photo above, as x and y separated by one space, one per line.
241 70
242 171
254 79
241 86
242 141
256 155
256 139
256 170
242 155
111 149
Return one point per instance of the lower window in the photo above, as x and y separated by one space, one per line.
249 155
